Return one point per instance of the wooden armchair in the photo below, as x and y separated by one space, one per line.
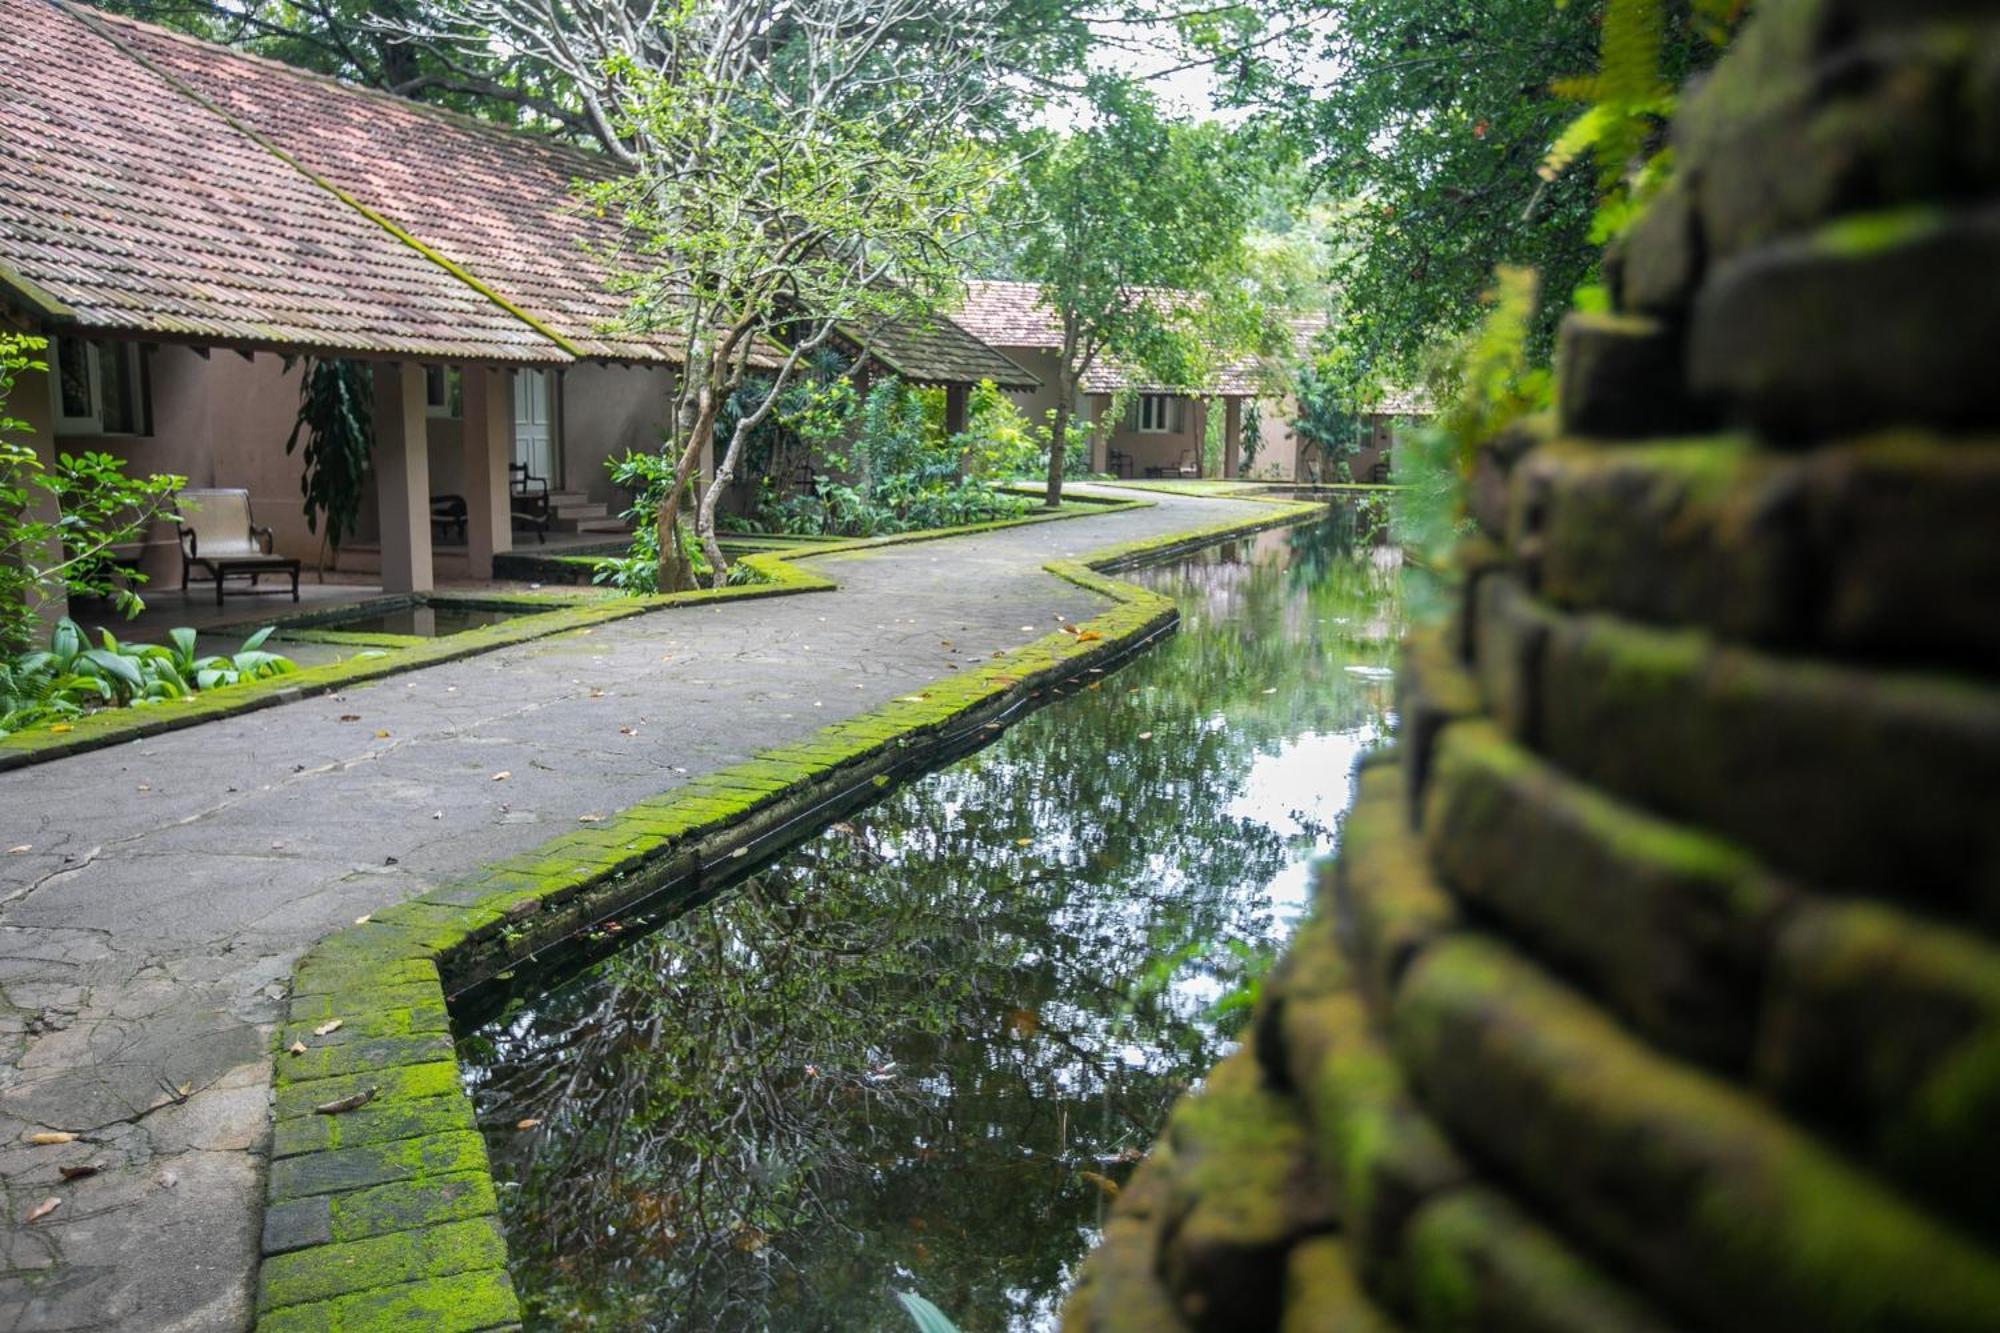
219 537
528 499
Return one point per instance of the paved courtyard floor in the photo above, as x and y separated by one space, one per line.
148 929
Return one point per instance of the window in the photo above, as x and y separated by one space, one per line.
444 392
100 387
1159 414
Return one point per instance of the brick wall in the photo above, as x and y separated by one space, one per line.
1656 985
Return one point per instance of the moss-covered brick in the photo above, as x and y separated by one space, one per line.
1432 689
1809 337
378 1122
1323 1293
368 1025
1313 963
1910 569
1706 532
1480 1263
1243 1188
1384 1155
1510 629
320 975
1670 1171
364 1056
1865 779
1390 903
1619 377
1672 926
1118 1289
1885 1028
461 1303
342 1004
419 1201
340 1170
1661 256
396 1083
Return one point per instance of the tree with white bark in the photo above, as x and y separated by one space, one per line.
800 173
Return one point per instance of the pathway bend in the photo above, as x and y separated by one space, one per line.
146 937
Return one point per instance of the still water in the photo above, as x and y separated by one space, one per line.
922 1049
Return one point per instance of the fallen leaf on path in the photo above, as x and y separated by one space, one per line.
342 1104
48 1138
350 717
364 918
60 727
297 1048
381 735
44 1208
527 1124
437 814
330 1026
503 775
590 819
169 1179
628 731
79 1172
16 851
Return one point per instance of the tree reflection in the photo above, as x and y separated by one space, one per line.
920 1050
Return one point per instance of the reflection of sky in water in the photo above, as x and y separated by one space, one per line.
990 987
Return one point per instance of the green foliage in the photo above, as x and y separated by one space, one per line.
927 1317
336 418
1430 117
882 466
647 476
999 443
70 677
60 521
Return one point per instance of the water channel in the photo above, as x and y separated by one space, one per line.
920 1050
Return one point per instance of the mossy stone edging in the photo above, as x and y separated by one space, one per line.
384 1213
777 578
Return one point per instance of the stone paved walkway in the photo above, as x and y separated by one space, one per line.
146 937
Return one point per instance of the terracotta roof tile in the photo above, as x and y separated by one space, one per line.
145 213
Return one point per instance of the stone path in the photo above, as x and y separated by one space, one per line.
147 935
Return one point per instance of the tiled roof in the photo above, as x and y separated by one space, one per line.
142 212
938 351
1009 314
499 204
157 166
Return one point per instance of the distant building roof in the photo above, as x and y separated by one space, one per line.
1011 315
152 183
939 351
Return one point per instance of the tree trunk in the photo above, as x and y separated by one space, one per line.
1059 432
705 521
675 572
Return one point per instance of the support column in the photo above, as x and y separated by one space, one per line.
403 476
957 408
33 401
487 442
1201 438
1088 413
1232 435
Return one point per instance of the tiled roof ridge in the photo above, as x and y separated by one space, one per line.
94 21
597 163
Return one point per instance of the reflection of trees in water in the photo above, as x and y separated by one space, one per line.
908 1053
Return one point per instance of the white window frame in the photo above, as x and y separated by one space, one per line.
1159 414
92 423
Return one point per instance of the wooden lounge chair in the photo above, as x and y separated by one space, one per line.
1188 466
218 536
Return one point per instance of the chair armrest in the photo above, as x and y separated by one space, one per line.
188 542
263 535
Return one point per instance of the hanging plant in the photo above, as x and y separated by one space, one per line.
336 422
